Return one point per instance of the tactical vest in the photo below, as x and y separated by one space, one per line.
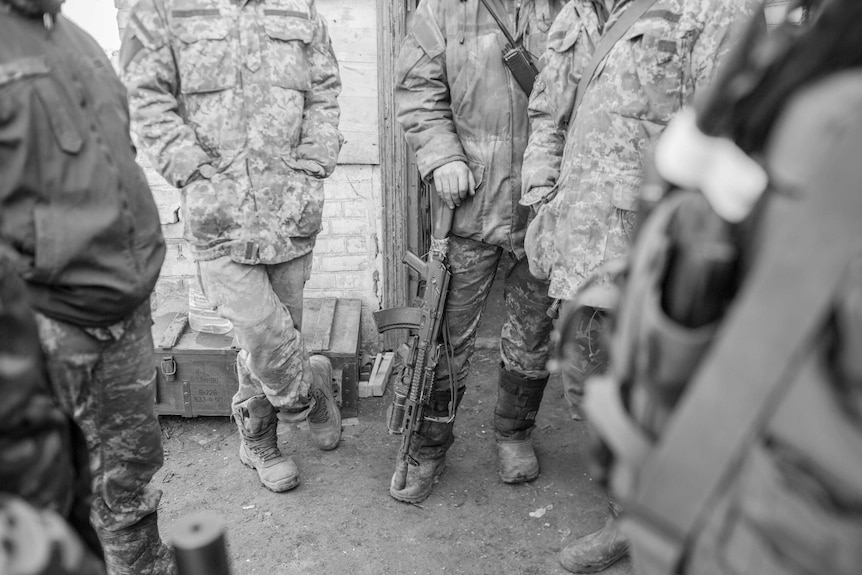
737 442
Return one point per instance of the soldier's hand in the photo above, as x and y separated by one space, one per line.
454 181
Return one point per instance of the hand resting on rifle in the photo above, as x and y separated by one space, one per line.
453 181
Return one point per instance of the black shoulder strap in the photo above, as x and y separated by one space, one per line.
611 36
500 23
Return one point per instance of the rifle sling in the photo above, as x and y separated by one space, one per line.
608 40
782 307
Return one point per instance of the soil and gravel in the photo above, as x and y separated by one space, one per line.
341 519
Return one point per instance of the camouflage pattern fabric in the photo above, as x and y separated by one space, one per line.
594 164
456 100
587 354
264 303
250 89
525 339
104 379
44 484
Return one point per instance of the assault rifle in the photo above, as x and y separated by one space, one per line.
412 392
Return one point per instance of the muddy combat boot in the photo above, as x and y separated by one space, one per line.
137 549
518 400
258 446
597 551
324 418
414 484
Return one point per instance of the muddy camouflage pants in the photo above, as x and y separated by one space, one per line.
103 378
587 354
525 338
264 303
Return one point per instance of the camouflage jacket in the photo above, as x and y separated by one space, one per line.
73 203
456 100
250 89
595 165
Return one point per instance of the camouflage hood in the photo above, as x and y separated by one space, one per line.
34 7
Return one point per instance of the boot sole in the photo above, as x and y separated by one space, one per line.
419 498
279 487
598 568
516 480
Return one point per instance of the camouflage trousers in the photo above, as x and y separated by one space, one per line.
525 338
104 379
588 354
264 303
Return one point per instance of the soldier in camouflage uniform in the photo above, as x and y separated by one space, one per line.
44 483
466 118
583 174
235 103
77 211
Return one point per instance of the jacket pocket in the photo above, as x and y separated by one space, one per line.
204 60
288 34
60 115
290 204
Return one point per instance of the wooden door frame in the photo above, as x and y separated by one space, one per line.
398 175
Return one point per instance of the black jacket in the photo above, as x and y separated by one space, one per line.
73 202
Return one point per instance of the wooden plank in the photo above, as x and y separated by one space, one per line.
174 331
392 17
381 372
323 329
344 341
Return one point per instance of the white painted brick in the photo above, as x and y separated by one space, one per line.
343 263
354 208
332 209
347 227
329 245
357 245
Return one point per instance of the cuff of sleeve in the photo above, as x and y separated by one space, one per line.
426 168
541 194
183 165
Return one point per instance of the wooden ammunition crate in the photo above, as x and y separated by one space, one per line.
197 371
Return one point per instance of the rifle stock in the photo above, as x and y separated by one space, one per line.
413 389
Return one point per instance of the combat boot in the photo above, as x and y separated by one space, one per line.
137 549
430 444
597 551
518 401
258 448
324 418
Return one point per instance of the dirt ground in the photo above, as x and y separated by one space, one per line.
341 519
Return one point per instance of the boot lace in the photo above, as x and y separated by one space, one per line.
320 413
264 447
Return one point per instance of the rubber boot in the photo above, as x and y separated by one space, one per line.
137 549
414 483
518 400
324 417
597 551
258 448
